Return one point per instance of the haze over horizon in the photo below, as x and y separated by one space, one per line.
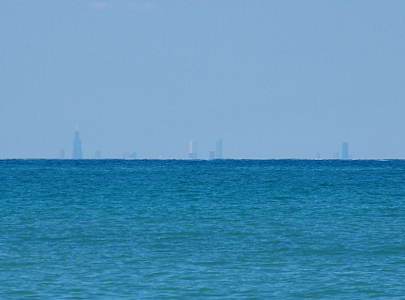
273 79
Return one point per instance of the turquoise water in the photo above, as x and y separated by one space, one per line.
226 229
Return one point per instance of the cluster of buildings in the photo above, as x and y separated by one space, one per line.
214 154
193 153
193 150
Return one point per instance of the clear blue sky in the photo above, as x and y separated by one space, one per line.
273 79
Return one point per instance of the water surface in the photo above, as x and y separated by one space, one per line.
223 229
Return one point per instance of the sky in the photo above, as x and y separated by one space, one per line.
273 79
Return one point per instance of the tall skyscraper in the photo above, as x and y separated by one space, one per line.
345 150
77 146
218 152
193 150
212 154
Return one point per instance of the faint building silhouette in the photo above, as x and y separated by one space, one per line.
127 155
193 153
212 154
77 146
345 150
218 150
97 154
62 153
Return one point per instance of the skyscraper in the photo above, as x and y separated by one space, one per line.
193 150
345 150
218 152
212 154
77 146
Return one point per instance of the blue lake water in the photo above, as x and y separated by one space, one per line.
223 229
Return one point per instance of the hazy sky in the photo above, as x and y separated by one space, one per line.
273 79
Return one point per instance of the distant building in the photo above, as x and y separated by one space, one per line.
127 155
218 152
212 154
77 146
97 154
345 150
193 153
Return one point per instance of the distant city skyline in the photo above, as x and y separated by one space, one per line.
274 79
192 153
